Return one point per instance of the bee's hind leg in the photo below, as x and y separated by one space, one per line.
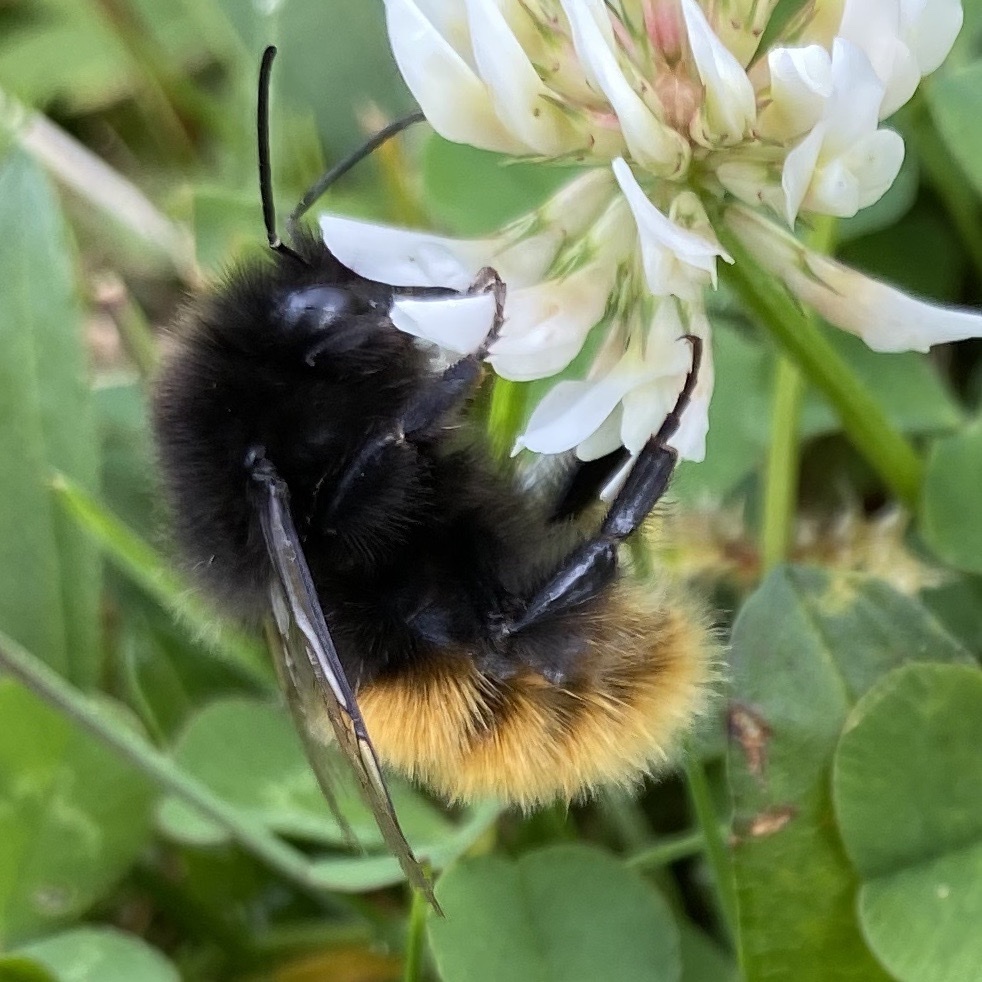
593 564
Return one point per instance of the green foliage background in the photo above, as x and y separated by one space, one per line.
157 819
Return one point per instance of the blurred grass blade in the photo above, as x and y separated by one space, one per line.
98 183
144 565
42 681
132 323
49 572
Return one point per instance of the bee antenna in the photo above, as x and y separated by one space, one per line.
342 167
265 182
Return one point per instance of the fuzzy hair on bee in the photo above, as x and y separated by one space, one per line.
427 614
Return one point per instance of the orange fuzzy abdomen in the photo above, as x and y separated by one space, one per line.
641 681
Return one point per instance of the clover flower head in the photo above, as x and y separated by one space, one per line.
687 120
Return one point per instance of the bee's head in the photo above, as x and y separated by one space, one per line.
320 313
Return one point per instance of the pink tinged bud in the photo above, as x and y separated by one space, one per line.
663 23
651 143
680 97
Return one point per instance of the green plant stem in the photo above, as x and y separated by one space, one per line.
713 839
132 324
783 460
887 450
784 456
505 416
784 453
626 819
668 849
316 878
412 969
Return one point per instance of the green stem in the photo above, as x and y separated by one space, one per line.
412 970
132 324
887 450
784 453
668 849
505 416
783 458
626 819
713 838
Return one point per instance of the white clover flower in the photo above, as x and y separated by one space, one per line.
903 39
685 124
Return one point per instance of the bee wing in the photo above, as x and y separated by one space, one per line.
323 767
315 682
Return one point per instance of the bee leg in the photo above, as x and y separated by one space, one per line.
425 410
583 486
488 281
593 564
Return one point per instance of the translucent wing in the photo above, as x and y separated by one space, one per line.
312 675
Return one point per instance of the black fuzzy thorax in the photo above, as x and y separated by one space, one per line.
427 546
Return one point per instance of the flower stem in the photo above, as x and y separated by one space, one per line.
784 454
668 849
713 839
783 458
505 416
887 450
131 323
412 970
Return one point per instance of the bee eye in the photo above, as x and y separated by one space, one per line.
315 308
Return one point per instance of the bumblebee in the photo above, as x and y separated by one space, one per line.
429 616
